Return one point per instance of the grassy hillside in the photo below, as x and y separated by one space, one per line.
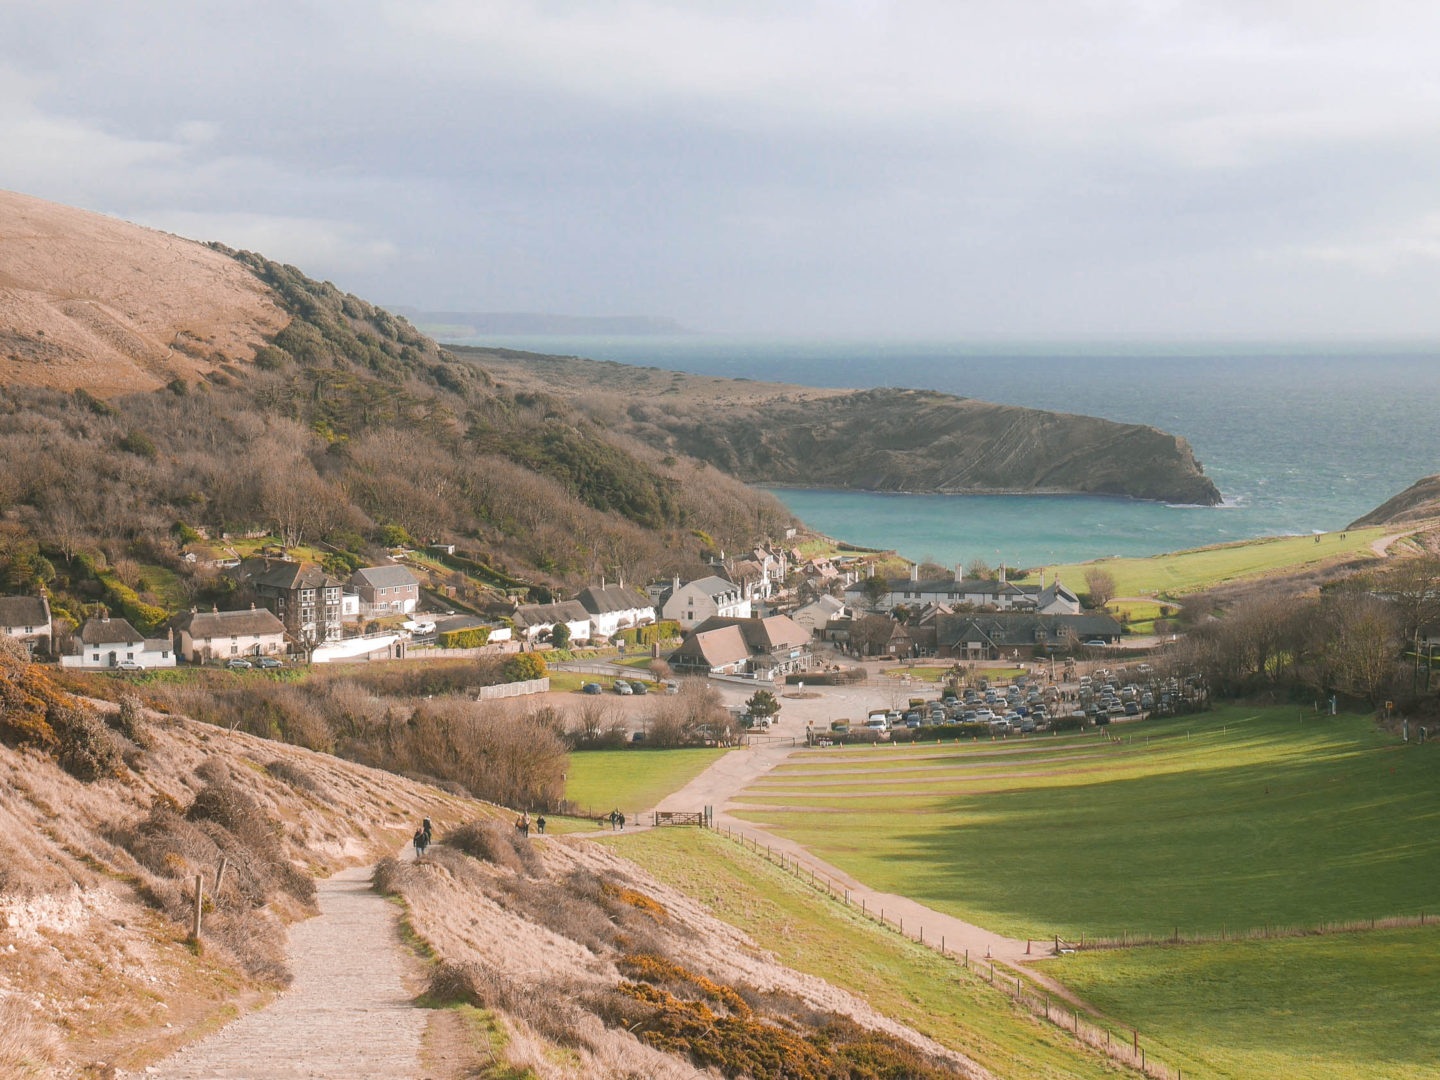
1230 820
632 780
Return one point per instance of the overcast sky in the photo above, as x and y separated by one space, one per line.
946 169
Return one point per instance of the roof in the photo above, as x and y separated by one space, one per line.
719 647
24 611
566 611
605 599
109 632
713 586
766 635
1020 628
293 575
384 577
249 621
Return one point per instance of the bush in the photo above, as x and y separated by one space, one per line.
473 638
495 842
86 748
523 666
665 630
129 720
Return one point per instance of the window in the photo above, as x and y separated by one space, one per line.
96 656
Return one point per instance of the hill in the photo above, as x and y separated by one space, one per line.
287 406
870 440
1421 500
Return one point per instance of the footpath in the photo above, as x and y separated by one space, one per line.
347 1016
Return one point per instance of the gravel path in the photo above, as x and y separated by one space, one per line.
348 1015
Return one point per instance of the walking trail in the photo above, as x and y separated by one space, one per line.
719 786
348 1014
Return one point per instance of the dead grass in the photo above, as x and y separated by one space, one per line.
28 1047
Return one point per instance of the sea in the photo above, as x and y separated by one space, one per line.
1298 438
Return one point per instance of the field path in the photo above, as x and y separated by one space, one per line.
348 1014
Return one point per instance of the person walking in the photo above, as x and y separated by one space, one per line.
622 822
421 842
614 817
428 830
525 824
540 824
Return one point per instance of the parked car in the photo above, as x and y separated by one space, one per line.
592 688
129 665
1094 641
672 688
1131 709
238 663
637 736
269 662
638 687
623 688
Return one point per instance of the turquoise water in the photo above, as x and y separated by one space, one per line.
1297 438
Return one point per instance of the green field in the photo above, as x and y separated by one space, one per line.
631 780
820 936
1189 571
1231 820
1336 1007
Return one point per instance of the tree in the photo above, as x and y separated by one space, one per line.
560 635
1101 584
978 570
870 634
876 588
930 570
523 666
762 705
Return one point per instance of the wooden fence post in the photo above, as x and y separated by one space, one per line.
199 902
220 874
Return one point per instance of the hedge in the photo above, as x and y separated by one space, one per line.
652 634
472 638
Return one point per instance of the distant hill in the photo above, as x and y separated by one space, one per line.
470 324
1421 500
872 440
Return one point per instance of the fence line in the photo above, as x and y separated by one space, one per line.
1126 940
514 689
1123 1046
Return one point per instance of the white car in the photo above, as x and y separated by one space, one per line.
623 688
129 665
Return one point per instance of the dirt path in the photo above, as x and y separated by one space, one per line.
348 1015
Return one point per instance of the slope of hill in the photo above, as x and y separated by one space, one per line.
89 301
872 440
1421 500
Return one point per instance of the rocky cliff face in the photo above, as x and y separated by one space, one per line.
870 440
1421 500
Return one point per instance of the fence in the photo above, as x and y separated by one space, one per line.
1127 940
513 689
1122 1045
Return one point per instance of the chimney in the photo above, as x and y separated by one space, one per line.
959 571
1042 580
870 569
914 571
1002 573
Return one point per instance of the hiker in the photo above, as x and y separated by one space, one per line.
421 840
525 823
540 824
429 832
614 817
621 818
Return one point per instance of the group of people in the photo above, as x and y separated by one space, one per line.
617 820
522 824
422 838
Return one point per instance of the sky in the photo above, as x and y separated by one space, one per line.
1028 170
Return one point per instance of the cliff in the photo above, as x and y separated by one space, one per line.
872 440
1421 500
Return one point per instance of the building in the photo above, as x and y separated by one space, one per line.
219 635
534 621
1003 633
615 607
998 593
816 614
305 598
27 619
692 603
774 646
108 643
386 590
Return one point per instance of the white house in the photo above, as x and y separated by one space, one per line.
615 607
813 616
26 618
534 620
976 592
219 635
107 643
693 602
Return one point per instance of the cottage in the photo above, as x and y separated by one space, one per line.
614 607
533 621
693 602
386 590
216 635
27 619
997 593
113 643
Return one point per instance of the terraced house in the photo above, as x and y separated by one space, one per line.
216 635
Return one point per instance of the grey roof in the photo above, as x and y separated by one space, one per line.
248 621
1021 628
24 611
293 575
550 614
603 599
109 632
713 586
383 577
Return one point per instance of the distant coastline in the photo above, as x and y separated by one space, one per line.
467 324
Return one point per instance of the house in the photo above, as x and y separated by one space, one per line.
108 643
219 635
27 619
814 615
386 590
773 646
532 621
705 598
305 598
989 636
995 593
615 607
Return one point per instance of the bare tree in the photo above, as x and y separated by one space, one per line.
1101 585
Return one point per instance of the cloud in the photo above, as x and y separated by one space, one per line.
318 245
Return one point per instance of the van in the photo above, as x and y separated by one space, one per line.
879 723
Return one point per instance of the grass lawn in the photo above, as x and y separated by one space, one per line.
632 780
1336 1007
1229 820
1141 613
814 934
1190 571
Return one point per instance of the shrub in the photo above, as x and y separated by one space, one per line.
495 842
138 443
129 720
523 666
473 638
86 748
